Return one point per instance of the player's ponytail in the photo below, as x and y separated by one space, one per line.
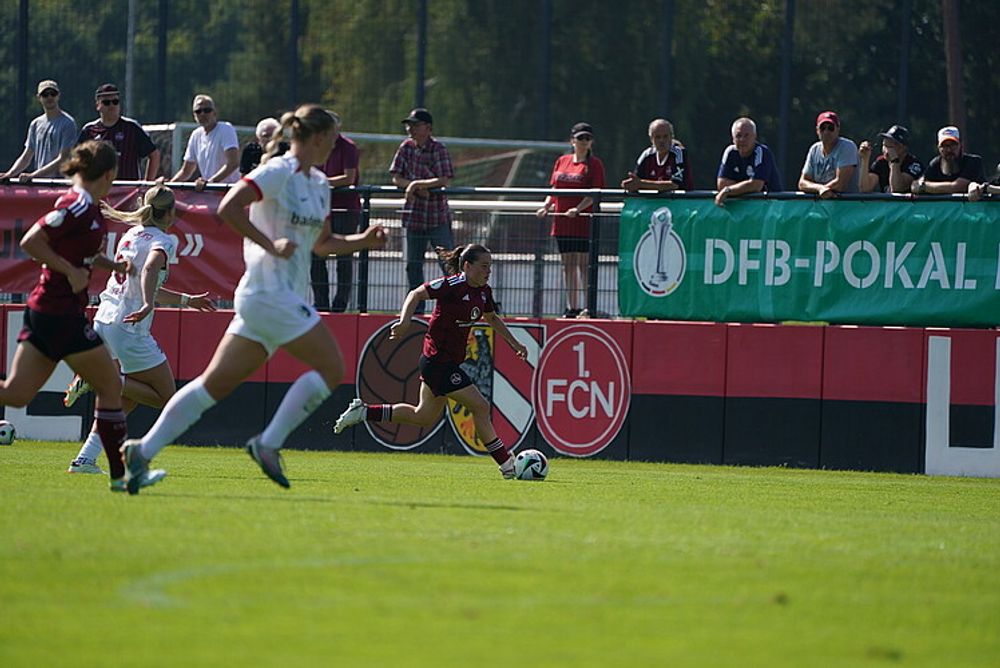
453 260
91 160
158 205
299 125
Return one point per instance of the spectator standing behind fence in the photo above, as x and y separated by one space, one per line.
129 139
341 169
254 151
213 148
662 166
747 166
831 165
952 169
421 163
895 170
579 169
992 187
50 137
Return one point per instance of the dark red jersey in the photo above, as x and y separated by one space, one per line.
459 306
129 139
76 231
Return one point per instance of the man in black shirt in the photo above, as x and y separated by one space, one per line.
895 170
952 170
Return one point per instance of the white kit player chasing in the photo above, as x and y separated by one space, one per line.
125 316
289 200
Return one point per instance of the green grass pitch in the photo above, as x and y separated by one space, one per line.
419 560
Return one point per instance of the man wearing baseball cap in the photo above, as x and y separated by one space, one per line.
421 165
129 139
50 137
895 169
831 164
951 170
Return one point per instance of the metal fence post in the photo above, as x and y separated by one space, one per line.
366 216
592 268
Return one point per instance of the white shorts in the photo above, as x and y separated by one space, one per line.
135 350
272 319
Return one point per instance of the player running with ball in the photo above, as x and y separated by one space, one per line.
463 297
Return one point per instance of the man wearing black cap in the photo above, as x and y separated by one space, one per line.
420 164
127 136
895 170
50 137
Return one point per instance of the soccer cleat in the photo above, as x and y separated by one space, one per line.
76 389
82 465
149 478
507 469
269 460
354 414
135 466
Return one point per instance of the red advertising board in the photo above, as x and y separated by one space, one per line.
209 254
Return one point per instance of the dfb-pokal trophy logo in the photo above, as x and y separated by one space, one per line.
659 260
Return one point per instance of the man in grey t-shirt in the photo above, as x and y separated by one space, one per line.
50 137
831 165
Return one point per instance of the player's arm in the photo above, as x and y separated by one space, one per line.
233 210
415 296
328 243
148 279
35 243
501 328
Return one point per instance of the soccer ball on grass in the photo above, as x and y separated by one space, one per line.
7 433
530 465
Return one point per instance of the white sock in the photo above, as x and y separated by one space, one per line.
304 396
92 447
182 411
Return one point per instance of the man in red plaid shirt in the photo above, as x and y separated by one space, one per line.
421 163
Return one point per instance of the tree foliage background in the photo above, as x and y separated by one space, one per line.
484 75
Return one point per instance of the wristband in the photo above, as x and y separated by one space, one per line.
185 298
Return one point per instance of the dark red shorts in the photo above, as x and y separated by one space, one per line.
58 335
443 377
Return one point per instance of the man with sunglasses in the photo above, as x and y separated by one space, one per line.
831 165
129 139
213 148
50 137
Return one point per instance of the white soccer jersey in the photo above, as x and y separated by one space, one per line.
123 294
293 205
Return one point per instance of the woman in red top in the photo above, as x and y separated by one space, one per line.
571 224
461 300
69 241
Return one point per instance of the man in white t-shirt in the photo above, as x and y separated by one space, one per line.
213 148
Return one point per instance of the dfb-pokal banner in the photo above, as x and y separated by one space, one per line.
209 253
875 262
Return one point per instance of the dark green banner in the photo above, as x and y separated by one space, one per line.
872 262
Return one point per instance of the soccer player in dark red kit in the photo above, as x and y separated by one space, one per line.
69 241
463 297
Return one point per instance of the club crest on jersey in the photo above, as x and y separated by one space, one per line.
475 313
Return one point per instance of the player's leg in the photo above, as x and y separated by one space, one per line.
427 411
97 368
470 397
28 372
234 360
151 387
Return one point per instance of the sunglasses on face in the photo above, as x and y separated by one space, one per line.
826 127
48 93
204 110
585 137
110 103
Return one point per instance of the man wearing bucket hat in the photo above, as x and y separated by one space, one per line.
895 170
50 137
952 169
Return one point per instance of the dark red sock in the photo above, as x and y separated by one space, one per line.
497 450
379 413
111 427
